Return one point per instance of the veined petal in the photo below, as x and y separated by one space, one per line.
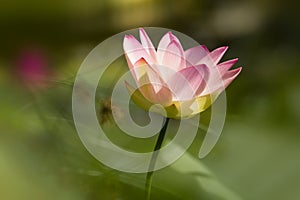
229 76
227 79
142 69
174 56
214 82
195 54
225 66
217 54
170 52
203 70
151 85
131 68
134 50
141 101
166 40
218 83
188 82
147 44
199 104
163 96
139 68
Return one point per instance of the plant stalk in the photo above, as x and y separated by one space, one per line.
157 147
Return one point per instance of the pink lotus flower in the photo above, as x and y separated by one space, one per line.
183 82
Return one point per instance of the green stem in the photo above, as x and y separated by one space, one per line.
157 147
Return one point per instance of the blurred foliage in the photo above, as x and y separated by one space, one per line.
41 156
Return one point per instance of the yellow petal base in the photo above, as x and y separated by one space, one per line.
177 110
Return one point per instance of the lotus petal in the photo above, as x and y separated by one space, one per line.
147 44
195 54
134 50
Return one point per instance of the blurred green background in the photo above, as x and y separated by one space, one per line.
42 46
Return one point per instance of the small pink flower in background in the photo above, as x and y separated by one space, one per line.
184 82
33 67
